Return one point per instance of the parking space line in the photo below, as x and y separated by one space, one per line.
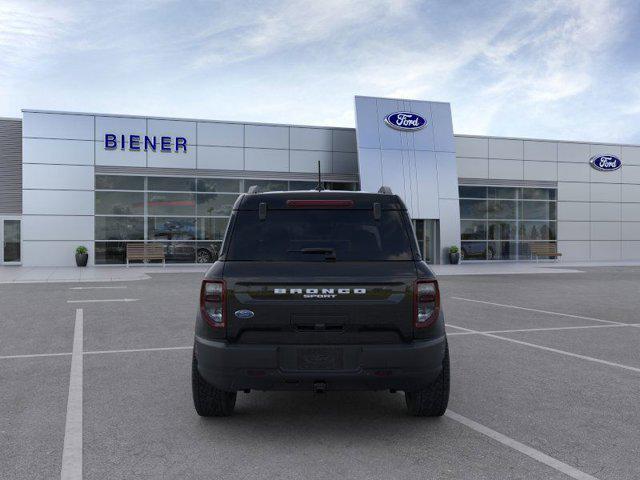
554 350
72 449
35 355
158 349
99 288
542 329
537 455
96 352
107 300
538 311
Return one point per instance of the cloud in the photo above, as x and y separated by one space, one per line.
283 25
27 30
524 68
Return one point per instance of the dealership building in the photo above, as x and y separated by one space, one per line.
106 181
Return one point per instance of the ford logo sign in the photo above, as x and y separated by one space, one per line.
244 313
405 121
605 163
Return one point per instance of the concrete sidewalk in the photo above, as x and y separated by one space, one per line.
19 274
515 268
501 268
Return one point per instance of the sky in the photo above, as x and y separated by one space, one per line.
540 69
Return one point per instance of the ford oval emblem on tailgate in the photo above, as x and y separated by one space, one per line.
244 313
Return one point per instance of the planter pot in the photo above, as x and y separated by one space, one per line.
454 258
82 259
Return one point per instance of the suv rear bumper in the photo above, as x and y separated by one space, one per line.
233 367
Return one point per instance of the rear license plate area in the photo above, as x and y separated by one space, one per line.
320 359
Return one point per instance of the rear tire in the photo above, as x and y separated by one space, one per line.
208 400
431 401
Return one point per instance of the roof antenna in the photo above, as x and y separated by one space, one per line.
319 187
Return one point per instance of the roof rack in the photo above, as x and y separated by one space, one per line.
385 190
253 189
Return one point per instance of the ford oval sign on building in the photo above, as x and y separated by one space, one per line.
605 163
405 121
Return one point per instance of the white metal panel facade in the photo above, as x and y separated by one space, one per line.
418 165
598 213
62 151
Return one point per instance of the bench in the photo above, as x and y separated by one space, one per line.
544 250
145 252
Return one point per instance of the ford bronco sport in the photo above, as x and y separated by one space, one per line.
320 290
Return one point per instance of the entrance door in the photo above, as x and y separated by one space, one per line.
427 235
10 240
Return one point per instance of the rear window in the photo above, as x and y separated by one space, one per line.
315 235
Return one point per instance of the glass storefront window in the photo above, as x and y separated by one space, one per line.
502 230
502 251
210 204
531 210
502 209
119 228
179 252
501 225
538 194
188 216
207 252
212 228
502 192
474 250
213 185
473 209
171 228
267 185
171 184
11 241
473 230
537 231
171 204
108 253
119 203
119 182
303 185
472 192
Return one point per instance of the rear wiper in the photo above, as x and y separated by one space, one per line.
330 253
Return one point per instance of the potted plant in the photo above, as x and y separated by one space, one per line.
454 255
82 256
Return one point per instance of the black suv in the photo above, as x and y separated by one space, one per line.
320 290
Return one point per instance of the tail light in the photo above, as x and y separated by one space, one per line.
426 303
212 298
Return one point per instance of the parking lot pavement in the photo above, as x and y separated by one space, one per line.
485 316
554 399
34 318
582 413
605 292
33 403
272 435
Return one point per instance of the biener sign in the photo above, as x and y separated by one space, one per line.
145 143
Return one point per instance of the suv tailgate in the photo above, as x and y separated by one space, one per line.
320 302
